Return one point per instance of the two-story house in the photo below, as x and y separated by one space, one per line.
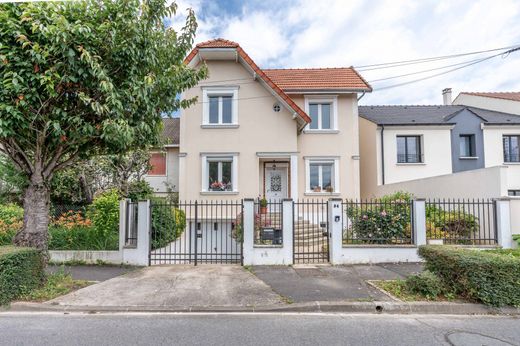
278 133
404 143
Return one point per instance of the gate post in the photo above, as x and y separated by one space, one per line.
419 221
335 221
140 254
248 228
288 230
503 223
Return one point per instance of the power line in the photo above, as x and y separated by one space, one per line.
505 54
384 65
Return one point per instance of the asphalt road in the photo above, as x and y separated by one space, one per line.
256 329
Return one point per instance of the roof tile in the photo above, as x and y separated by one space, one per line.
341 78
513 96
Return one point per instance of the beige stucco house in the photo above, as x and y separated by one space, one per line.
278 133
507 102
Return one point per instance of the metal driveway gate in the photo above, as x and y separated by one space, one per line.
310 233
196 232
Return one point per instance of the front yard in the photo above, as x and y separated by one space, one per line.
490 277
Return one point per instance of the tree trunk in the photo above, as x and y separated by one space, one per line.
36 204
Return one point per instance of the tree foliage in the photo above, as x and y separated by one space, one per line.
81 78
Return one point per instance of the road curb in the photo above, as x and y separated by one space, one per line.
441 308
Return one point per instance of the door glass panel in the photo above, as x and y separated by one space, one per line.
276 182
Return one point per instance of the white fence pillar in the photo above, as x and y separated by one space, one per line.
123 219
248 230
139 255
504 234
288 230
419 221
335 219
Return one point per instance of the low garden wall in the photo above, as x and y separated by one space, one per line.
90 257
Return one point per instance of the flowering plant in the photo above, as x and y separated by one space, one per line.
220 186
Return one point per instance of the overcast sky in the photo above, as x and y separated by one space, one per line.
307 33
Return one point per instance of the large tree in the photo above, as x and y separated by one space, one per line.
83 78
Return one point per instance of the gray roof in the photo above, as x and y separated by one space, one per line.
430 115
171 130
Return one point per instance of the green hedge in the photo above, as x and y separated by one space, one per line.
492 278
168 223
21 270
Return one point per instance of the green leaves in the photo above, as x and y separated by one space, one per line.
97 72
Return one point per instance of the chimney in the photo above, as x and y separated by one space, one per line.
446 96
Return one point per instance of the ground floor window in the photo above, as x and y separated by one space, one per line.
322 176
157 164
219 173
513 192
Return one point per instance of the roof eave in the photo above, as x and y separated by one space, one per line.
327 91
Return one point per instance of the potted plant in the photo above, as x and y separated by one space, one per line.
329 189
263 206
316 189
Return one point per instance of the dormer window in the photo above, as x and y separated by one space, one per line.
323 113
220 107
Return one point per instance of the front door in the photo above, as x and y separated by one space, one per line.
276 182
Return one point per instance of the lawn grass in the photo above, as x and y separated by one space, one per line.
56 285
398 289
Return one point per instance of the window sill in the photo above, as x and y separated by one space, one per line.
321 131
222 126
310 193
511 163
219 193
468 158
411 164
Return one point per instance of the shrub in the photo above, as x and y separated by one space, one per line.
456 225
104 213
381 222
11 220
486 276
139 190
168 223
21 270
426 284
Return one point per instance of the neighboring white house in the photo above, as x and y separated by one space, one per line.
507 102
278 133
163 176
407 143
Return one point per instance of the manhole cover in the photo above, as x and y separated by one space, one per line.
474 339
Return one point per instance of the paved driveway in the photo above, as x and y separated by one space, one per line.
332 283
181 286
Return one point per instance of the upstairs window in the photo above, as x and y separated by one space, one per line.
323 113
467 145
320 116
511 151
409 149
220 107
157 164
220 110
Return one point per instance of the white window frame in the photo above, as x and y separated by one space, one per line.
206 158
335 174
333 100
207 92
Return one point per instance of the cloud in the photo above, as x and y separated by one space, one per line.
306 33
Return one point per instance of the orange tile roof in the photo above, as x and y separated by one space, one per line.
342 78
513 96
221 43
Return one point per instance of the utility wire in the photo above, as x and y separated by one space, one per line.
504 55
425 60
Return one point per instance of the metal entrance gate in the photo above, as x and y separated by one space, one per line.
310 233
196 232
